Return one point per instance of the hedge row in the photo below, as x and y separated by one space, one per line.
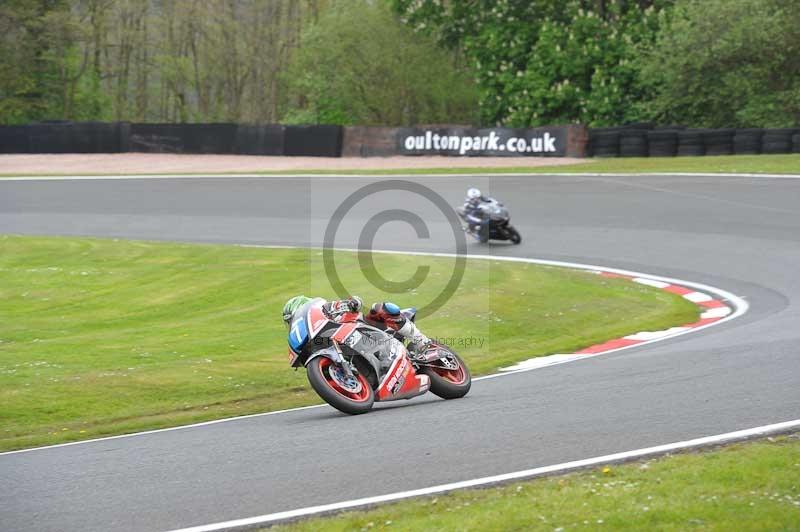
644 140
119 137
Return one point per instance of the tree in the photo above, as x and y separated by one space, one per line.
545 61
29 87
726 63
360 65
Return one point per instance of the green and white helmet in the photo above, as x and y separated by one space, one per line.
292 305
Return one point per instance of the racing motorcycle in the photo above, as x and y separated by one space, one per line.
351 363
496 224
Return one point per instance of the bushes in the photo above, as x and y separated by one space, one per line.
725 63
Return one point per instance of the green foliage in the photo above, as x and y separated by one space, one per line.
43 66
726 63
360 65
713 63
24 73
546 61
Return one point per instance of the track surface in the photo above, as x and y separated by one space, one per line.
739 234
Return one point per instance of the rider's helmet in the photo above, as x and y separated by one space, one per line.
473 193
292 305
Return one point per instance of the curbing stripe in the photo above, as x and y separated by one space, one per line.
717 311
565 467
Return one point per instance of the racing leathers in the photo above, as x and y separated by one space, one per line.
473 212
389 314
386 313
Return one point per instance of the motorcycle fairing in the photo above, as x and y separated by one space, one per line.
401 381
316 317
343 332
298 335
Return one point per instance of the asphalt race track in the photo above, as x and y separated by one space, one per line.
740 234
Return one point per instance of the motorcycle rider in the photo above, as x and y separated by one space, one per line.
473 212
385 313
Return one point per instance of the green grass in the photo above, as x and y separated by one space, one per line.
101 337
748 164
749 486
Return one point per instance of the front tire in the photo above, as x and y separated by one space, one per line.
327 383
513 235
484 233
449 383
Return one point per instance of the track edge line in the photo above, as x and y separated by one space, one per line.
327 509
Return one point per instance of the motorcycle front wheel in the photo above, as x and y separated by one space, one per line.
513 235
329 382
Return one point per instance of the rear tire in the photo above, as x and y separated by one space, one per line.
449 384
326 386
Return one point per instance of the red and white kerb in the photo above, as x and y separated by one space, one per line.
713 310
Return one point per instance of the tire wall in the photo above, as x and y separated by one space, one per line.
647 140
121 137
632 140
289 140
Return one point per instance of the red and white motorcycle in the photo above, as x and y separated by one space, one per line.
351 363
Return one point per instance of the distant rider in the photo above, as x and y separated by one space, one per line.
385 313
472 209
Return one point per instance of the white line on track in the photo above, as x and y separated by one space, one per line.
741 306
387 176
496 479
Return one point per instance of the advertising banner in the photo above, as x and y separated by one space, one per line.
511 142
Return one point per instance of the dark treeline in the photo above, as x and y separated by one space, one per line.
147 60
710 63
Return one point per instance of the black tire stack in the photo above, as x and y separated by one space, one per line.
719 141
604 142
777 140
633 143
691 142
747 141
642 140
662 143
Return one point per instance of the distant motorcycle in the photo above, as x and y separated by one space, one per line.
351 363
495 226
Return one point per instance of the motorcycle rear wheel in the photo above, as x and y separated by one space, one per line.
336 395
446 383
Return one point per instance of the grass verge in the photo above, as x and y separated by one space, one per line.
723 164
746 486
101 337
